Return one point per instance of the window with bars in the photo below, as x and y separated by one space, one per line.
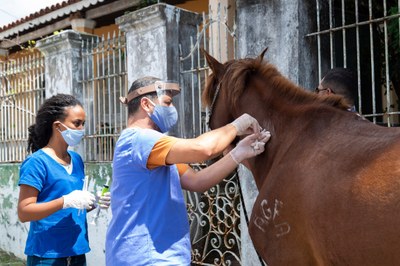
363 35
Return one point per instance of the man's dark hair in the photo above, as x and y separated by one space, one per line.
341 81
139 83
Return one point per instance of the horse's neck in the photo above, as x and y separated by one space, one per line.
293 127
286 128
279 115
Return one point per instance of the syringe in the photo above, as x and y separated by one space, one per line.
106 188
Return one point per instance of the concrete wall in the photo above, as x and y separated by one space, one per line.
13 233
281 26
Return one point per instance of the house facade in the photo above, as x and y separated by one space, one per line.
94 49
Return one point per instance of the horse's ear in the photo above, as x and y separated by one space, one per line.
261 56
216 67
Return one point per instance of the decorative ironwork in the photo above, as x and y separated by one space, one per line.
215 215
214 223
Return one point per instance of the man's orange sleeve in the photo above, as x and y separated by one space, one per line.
159 154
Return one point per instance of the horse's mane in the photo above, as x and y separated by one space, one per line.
237 75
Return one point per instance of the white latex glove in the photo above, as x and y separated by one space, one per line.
250 146
246 124
79 199
103 201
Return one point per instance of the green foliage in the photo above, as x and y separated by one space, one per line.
57 32
31 44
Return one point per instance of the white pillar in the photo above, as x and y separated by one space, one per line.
63 62
154 36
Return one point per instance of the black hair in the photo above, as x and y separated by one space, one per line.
341 81
51 110
133 105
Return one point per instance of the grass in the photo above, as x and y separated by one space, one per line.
7 259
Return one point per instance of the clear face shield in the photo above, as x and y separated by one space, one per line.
166 89
162 88
164 114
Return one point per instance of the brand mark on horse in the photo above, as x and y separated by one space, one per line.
269 218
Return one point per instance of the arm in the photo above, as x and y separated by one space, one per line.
204 179
201 181
29 210
204 147
212 143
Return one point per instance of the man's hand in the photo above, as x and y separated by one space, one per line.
250 146
246 124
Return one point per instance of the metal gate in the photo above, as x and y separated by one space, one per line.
215 215
104 80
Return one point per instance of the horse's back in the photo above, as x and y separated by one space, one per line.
333 210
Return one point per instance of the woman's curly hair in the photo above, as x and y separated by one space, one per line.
51 110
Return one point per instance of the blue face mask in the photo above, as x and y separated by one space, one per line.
165 117
72 136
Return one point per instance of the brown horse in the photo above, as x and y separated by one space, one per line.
329 181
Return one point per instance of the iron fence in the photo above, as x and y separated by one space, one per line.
22 91
104 81
215 223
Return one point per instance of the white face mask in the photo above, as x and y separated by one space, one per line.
72 136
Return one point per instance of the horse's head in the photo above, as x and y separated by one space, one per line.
226 85
253 86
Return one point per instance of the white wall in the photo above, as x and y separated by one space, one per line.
13 233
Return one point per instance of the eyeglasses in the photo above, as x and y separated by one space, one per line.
318 90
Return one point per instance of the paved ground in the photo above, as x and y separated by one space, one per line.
10 260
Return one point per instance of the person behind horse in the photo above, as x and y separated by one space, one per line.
149 224
339 81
